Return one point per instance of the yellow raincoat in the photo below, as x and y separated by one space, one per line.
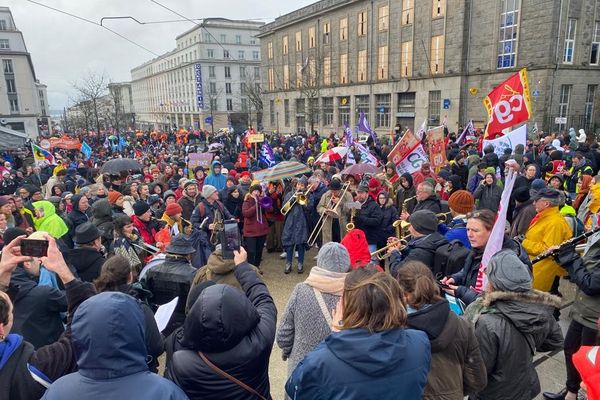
547 229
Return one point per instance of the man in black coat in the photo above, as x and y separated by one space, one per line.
424 242
86 258
368 218
426 200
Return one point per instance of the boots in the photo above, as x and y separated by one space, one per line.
562 395
288 268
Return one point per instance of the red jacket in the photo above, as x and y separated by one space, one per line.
355 242
148 235
253 227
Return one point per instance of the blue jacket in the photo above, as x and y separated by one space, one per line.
356 364
108 338
219 181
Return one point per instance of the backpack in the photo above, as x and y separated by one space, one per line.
449 259
575 224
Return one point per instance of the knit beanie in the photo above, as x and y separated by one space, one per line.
208 190
538 184
333 257
461 201
507 272
424 221
140 207
521 194
113 196
173 209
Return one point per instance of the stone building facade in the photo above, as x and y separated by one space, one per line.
409 61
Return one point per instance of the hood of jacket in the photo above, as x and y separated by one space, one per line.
212 167
109 353
219 319
519 149
48 207
488 149
372 354
102 211
75 201
408 178
430 242
217 265
432 320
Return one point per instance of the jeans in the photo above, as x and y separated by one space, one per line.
289 253
254 247
577 336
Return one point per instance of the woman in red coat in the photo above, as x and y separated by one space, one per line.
256 226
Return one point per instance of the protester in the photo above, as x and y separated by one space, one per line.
295 228
256 226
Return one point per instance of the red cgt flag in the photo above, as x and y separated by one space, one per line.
508 104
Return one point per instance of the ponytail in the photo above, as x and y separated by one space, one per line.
418 283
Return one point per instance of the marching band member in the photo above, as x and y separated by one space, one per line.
256 225
460 204
390 215
211 208
334 226
295 229
147 226
426 200
176 224
368 218
275 217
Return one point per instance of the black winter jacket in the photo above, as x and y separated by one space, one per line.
87 261
386 230
421 249
236 332
488 196
431 203
368 220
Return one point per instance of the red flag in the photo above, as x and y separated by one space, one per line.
508 104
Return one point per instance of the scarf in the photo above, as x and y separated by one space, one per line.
8 347
326 281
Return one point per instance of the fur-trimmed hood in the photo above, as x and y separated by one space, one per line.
532 296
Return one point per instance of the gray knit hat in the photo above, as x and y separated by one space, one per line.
507 272
207 190
333 257
424 221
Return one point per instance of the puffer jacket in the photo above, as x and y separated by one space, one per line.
368 219
238 341
457 368
510 328
112 362
420 249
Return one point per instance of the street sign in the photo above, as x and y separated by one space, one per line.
382 109
256 138
535 93
446 104
208 120
560 120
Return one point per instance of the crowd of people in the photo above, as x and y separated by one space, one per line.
395 307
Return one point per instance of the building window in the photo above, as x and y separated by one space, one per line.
211 71
228 88
328 111
285 45
255 55
433 111
243 88
589 106
343 29
437 54
362 23
213 104
382 63
227 72
569 41
299 70
286 112
3 26
594 56
272 112
406 59
382 109
300 113
252 41
509 24
241 54
223 38
238 39
312 39
407 12
242 72
244 104
212 86
362 105
229 105
271 80
225 53
299 41
343 111
383 18
563 106
10 86
286 77
326 30
210 53
362 66
270 50
326 71
4 44
8 66
406 103
14 105
256 72
343 69
439 8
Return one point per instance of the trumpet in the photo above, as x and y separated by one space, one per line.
300 198
383 254
443 217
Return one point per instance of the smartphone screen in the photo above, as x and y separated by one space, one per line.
34 247
231 240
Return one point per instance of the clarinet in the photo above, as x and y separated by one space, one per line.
564 244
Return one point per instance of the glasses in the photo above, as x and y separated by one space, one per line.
474 214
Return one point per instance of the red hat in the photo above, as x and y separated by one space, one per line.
245 173
374 183
173 209
232 172
113 196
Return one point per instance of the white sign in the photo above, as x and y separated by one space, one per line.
163 314
509 141
412 162
560 120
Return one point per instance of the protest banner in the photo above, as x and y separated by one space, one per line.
65 142
199 159
412 162
518 136
407 143
436 148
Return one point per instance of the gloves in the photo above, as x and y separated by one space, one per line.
566 255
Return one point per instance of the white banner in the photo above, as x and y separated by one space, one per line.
412 162
509 141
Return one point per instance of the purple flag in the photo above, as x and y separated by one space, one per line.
363 126
469 130
348 136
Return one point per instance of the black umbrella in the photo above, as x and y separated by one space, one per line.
118 165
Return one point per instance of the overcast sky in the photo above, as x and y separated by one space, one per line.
65 49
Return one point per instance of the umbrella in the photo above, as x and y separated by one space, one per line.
118 165
214 147
360 169
337 153
285 169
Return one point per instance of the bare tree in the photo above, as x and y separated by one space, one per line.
211 94
254 92
309 84
117 100
91 88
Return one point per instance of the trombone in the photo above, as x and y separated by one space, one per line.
401 234
319 226
300 198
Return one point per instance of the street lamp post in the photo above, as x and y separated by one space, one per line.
277 114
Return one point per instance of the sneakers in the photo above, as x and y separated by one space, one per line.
300 268
283 255
296 254
288 268
315 257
